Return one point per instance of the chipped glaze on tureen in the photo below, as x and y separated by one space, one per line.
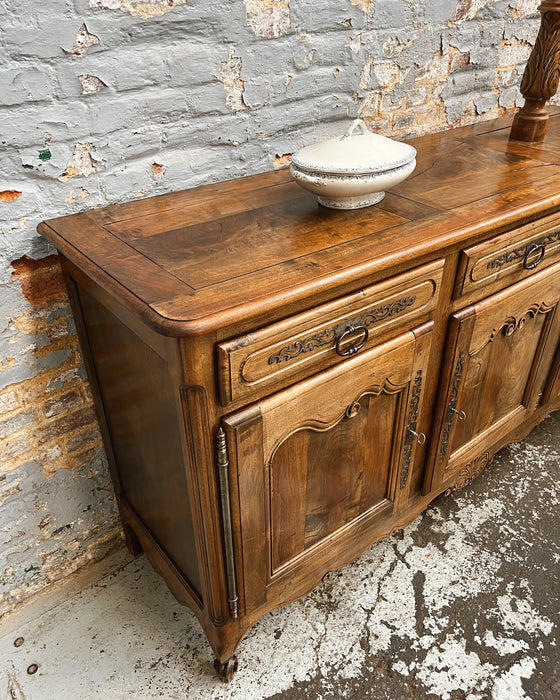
355 170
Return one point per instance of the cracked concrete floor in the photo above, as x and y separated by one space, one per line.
463 603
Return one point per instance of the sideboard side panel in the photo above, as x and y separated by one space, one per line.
137 393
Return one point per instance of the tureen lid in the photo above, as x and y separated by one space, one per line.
362 153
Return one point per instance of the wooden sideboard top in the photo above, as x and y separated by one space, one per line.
194 261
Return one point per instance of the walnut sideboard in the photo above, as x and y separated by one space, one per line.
279 385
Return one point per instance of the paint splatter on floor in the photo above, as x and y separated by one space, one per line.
462 604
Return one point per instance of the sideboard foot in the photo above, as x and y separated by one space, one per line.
226 671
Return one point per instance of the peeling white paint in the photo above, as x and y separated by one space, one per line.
90 84
158 170
230 76
468 9
354 43
518 614
393 47
140 8
268 18
77 196
84 41
509 686
524 8
83 162
504 645
450 667
368 6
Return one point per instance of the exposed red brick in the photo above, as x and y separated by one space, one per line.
507 77
460 60
9 195
86 456
66 424
282 161
462 10
62 404
8 402
78 441
57 330
84 40
468 9
159 170
41 280
71 460
14 446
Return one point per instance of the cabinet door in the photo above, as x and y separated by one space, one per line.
319 468
551 394
499 356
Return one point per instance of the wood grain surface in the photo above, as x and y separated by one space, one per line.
198 260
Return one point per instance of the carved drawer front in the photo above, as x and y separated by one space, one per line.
304 344
505 259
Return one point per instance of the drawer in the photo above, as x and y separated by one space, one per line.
508 258
311 341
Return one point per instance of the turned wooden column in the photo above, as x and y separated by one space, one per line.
540 79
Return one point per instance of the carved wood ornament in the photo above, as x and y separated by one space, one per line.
452 405
351 411
472 470
334 334
541 76
411 428
525 252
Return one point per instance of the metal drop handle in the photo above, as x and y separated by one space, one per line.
533 249
351 349
420 437
460 414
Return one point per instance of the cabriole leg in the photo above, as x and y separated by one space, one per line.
227 669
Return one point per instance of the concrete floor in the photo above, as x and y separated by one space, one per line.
464 603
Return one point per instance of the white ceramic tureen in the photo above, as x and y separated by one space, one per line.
355 170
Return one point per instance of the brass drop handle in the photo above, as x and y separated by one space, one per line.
351 349
420 437
533 249
460 414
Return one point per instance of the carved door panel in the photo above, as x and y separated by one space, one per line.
499 356
318 469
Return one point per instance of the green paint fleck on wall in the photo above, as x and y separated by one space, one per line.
44 154
26 165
